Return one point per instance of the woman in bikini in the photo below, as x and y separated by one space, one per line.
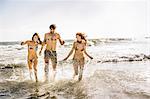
79 46
32 55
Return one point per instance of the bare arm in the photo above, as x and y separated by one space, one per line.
87 53
70 52
43 44
62 42
26 42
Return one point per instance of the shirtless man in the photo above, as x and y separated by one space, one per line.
50 40
79 46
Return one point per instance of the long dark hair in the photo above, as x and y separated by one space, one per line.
82 36
36 34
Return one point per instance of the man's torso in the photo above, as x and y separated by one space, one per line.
51 41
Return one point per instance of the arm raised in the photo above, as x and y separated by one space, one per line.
62 42
26 42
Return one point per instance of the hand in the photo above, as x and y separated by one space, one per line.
91 57
65 59
63 42
22 43
40 53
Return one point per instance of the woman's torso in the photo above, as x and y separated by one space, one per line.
32 48
79 49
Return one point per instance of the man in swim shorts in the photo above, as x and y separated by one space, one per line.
50 40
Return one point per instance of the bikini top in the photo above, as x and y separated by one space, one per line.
76 47
32 47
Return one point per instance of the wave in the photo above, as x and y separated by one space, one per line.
68 42
10 43
117 85
92 42
128 58
69 88
102 84
61 89
11 66
148 37
116 59
107 40
19 48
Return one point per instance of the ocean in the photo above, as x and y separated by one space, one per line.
120 70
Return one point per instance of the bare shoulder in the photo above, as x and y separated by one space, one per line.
75 42
46 34
29 42
83 41
57 34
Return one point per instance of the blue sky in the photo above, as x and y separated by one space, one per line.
19 19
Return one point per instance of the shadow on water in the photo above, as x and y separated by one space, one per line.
14 84
30 90
25 90
103 84
69 89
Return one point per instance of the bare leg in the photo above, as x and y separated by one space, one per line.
81 69
75 66
46 69
80 73
35 69
54 64
30 68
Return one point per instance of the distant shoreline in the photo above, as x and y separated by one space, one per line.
113 39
